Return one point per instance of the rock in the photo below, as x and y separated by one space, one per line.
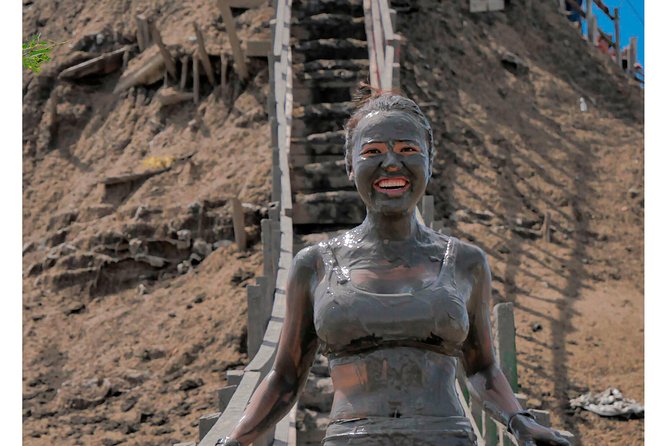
190 384
224 243
149 354
75 308
183 239
513 63
135 377
141 289
199 298
135 247
184 267
84 394
460 215
536 327
201 247
534 403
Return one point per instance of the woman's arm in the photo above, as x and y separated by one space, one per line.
279 390
488 383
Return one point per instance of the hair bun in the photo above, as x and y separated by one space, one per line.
367 92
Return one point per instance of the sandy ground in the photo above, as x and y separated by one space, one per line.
138 365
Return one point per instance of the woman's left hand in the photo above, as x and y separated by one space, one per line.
529 433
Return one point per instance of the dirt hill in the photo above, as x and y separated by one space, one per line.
134 300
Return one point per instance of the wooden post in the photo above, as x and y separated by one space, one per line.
224 69
203 56
589 13
505 342
428 210
196 79
254 319
238 225
206 422
546 227
490 431
184 73
594 26
266 240
142 32
225 395
617 36
126 56
632 59
169 62
238 54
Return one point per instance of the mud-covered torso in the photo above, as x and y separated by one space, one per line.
391 354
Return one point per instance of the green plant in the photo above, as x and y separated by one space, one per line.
36 52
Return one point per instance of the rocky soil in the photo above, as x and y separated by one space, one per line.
134 299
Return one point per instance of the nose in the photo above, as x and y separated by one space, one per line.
391 162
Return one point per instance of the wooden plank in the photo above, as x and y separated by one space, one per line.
496 5
142 32
374 69
387 78
546 227
167 58
227 421
378 39
196 79
103 64
203 56
257 48
617 36
150 72
479 5
505 342
238 54
387 25
184 73
238 225
169 96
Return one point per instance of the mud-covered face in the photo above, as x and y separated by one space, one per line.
390 161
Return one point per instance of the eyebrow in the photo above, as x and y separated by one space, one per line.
395 141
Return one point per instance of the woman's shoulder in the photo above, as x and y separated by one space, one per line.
467 254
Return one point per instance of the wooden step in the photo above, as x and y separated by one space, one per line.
320 118
306 8
321 177
328 25
328 208
310 50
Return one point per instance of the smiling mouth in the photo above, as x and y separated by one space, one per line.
392 186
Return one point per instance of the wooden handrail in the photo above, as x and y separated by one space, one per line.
382 43
281 107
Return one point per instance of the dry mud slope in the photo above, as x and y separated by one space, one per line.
134 300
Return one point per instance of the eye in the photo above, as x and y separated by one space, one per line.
408 149
371 151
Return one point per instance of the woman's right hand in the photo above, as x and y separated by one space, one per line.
529 432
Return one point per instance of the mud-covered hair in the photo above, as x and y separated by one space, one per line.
368 100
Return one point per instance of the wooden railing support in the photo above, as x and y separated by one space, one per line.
238 54
617 36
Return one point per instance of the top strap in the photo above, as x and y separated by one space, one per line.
330 261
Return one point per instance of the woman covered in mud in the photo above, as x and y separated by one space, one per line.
393 305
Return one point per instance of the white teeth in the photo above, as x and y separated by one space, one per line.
392 183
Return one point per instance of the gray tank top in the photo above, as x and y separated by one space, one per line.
348 319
